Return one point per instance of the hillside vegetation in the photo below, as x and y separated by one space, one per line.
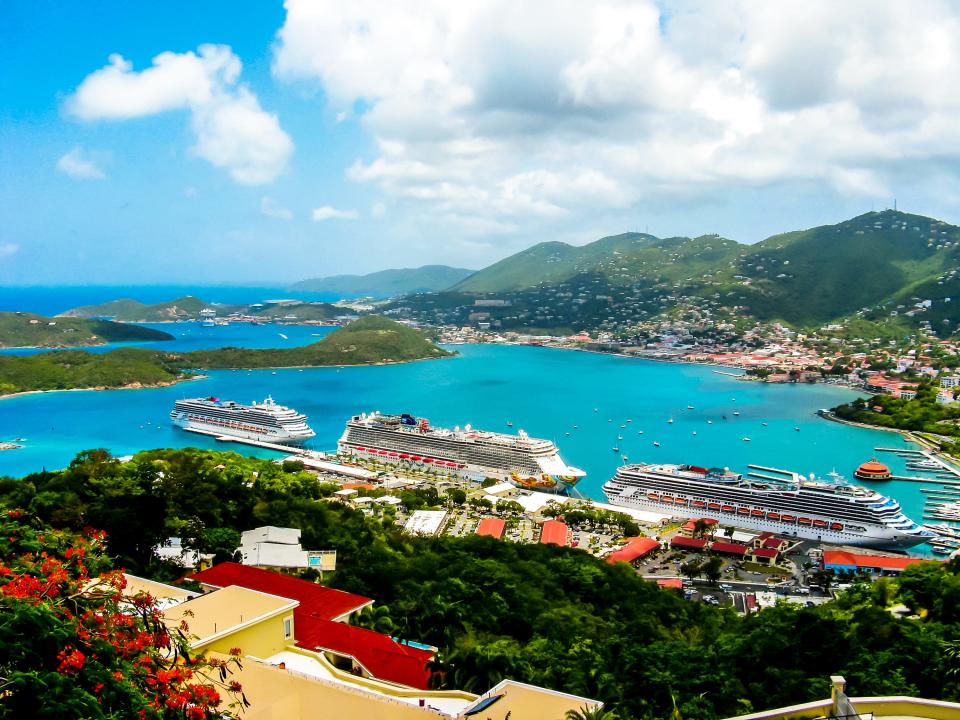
28 330
387 283
557 617
127 310
866 266
366 341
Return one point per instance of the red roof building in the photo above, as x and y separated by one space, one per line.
316 627
380 655
843 560
492 527
728 548
555 532
670 583
634 550
689 527
774 543
765 555
686 543
316 601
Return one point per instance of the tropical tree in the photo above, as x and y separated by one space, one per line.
597 712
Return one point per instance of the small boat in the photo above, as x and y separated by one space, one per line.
615 449
656 444
746 439
670 421
283 336
567 434
694 432
629 420
764 424
797 428
509 423
639 432
596 409
619 437
736 413
622 426
609 419
575 427
625 458
709 422
690 407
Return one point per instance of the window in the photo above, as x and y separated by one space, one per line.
287 628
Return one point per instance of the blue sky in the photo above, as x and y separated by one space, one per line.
252 141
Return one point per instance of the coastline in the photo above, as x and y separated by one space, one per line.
129 386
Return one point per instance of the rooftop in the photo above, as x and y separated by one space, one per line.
492 527
316 601
879 562
224 612
554 532
636 548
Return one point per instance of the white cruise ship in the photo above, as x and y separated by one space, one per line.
403 439
778 501
265 421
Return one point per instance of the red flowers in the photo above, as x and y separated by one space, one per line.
71 661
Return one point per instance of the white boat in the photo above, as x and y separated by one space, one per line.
782 502
746 439
266 421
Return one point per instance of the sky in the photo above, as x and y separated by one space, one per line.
253 141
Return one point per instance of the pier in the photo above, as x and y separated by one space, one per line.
288 449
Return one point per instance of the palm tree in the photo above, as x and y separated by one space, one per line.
597 712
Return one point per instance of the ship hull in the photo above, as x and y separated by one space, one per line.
278 436
878 537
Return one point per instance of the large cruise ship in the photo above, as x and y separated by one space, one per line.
265 421
778 501
525 461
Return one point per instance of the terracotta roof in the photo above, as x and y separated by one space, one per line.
849 559
728 547
316 601
554 532
670 582
493 527
636 548
765 552
774 542
685 542
381 655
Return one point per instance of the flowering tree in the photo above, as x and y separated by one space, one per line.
72 645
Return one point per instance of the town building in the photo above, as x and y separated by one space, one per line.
554 532
279 547
843 561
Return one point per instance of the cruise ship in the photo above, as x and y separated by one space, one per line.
778 501
404 439
265 421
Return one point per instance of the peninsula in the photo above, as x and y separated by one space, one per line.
368 341
20 329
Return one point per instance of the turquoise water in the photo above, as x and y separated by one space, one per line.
545 392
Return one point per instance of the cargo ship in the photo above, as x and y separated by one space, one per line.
777 501
527 462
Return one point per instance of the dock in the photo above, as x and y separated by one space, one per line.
288 449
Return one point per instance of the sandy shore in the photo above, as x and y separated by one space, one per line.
131 386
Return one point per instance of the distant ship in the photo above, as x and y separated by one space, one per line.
265 421
525 461
778 501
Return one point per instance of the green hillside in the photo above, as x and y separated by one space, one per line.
29 330
387 283
126 310
297 312
827 272
370 340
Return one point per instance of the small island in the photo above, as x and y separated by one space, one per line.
21 329
368 341
188 308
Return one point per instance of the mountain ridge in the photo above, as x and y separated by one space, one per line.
387 283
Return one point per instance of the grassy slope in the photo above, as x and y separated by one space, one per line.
127 310
29 330
367 341
388 282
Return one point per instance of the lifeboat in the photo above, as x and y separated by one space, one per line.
820 523
416 457
728 508
680 501
756 513
361 449
836 526
773 516
403 456
743 511
787 518
713 506
698 503
804 521
666 498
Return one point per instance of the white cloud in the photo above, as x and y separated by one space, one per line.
77 165
378 210
8 250
331 213
540 114
272 208
232 131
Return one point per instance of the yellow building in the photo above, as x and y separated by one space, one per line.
281 680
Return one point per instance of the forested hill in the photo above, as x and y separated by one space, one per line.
869 264
370 340
387 283
189 307
556 617
18 329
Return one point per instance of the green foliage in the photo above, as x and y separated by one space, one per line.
366 341
18 329
921 414
126 310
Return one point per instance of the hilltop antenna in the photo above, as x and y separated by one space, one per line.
894 204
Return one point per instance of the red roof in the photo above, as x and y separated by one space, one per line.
381 655
841 557
765 552
316 601
686 542
670 582
774 542
689 524
730 548
554 532
636 548
493 527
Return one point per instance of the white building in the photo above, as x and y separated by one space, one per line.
279 547
425 522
